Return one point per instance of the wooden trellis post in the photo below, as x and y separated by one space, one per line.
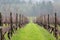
56 35
22 19
1 35
11 23
0 19
43 19
16 20
19 20
48 23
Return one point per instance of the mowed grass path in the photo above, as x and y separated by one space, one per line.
32 32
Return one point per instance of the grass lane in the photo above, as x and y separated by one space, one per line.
32 32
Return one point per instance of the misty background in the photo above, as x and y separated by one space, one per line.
30 7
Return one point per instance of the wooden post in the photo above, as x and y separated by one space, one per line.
22 19
1 38
44 20
1 35
16 20
0 19
19 20
11 23
48 22
56 26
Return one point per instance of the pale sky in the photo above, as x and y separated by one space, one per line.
41 0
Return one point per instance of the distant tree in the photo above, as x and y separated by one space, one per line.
57 0
23 1
43 7
30 2
33 11
49 7
37 8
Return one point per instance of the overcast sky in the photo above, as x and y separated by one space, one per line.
41 0
7 1
27 0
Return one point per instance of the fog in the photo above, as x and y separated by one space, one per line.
30 7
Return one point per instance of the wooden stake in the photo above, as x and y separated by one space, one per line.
1 35
11 23
16 20
56 26
0 19
48 22
19 20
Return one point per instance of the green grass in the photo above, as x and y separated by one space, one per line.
32 32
